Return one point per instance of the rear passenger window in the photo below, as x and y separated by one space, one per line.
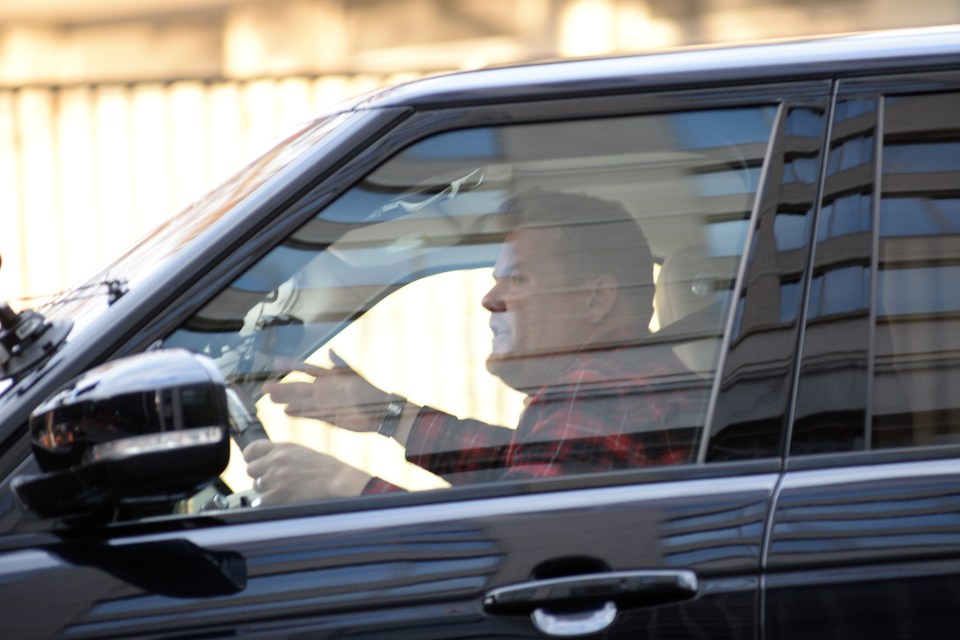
496 304
916 388
881 364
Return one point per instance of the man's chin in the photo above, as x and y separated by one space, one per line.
519 372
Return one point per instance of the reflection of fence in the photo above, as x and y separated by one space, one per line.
86 169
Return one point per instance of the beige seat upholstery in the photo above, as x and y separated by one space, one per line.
693 291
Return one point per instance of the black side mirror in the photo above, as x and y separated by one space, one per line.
149 429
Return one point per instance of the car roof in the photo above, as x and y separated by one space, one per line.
932 48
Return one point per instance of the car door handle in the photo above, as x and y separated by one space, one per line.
596 598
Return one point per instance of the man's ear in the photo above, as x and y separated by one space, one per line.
603 295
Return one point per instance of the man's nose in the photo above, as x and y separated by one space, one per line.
493 301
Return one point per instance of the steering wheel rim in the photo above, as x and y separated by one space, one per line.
245 425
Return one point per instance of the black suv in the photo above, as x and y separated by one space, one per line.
763 444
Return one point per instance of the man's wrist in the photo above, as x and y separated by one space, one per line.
349 482
405 421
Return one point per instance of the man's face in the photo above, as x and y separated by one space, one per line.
537 315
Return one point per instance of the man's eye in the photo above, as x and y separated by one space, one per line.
518 279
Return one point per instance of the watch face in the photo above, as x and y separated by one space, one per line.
391 418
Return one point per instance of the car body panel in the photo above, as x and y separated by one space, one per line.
382 570
874 549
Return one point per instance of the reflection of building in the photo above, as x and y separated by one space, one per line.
767 321
880 352
917 349
833 389
112 113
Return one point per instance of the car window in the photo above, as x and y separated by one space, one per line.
917 345
495 304
880 364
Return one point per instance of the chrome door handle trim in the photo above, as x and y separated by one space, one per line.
645 587
568 625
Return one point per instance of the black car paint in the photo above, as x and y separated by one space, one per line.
874 549
300 570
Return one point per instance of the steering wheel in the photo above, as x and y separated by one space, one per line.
245 426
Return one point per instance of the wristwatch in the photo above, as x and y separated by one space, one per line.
391 418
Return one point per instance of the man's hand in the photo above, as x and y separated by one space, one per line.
340 396
286 472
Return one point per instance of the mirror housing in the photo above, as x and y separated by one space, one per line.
148 429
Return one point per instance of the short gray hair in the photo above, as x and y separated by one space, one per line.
598 236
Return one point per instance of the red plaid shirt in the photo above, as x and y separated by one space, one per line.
601 415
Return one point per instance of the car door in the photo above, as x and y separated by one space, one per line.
865 526
385 269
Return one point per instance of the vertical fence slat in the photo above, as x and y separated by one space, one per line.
42 237
258 122
329 91
294 102
188 153
114 173
153 196
13 270
224 126
77 184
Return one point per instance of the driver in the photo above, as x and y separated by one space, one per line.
571 300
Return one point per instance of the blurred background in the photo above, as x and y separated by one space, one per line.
114 113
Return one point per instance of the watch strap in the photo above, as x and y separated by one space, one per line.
391 417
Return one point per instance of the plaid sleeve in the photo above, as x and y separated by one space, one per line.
460 451
584 424
378 486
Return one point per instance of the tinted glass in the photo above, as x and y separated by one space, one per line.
832 393
880 365
502 304
917 350
757 381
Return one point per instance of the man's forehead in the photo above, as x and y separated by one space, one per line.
506 261
526 246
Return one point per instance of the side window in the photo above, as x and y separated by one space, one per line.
917 345
494 304
880 366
